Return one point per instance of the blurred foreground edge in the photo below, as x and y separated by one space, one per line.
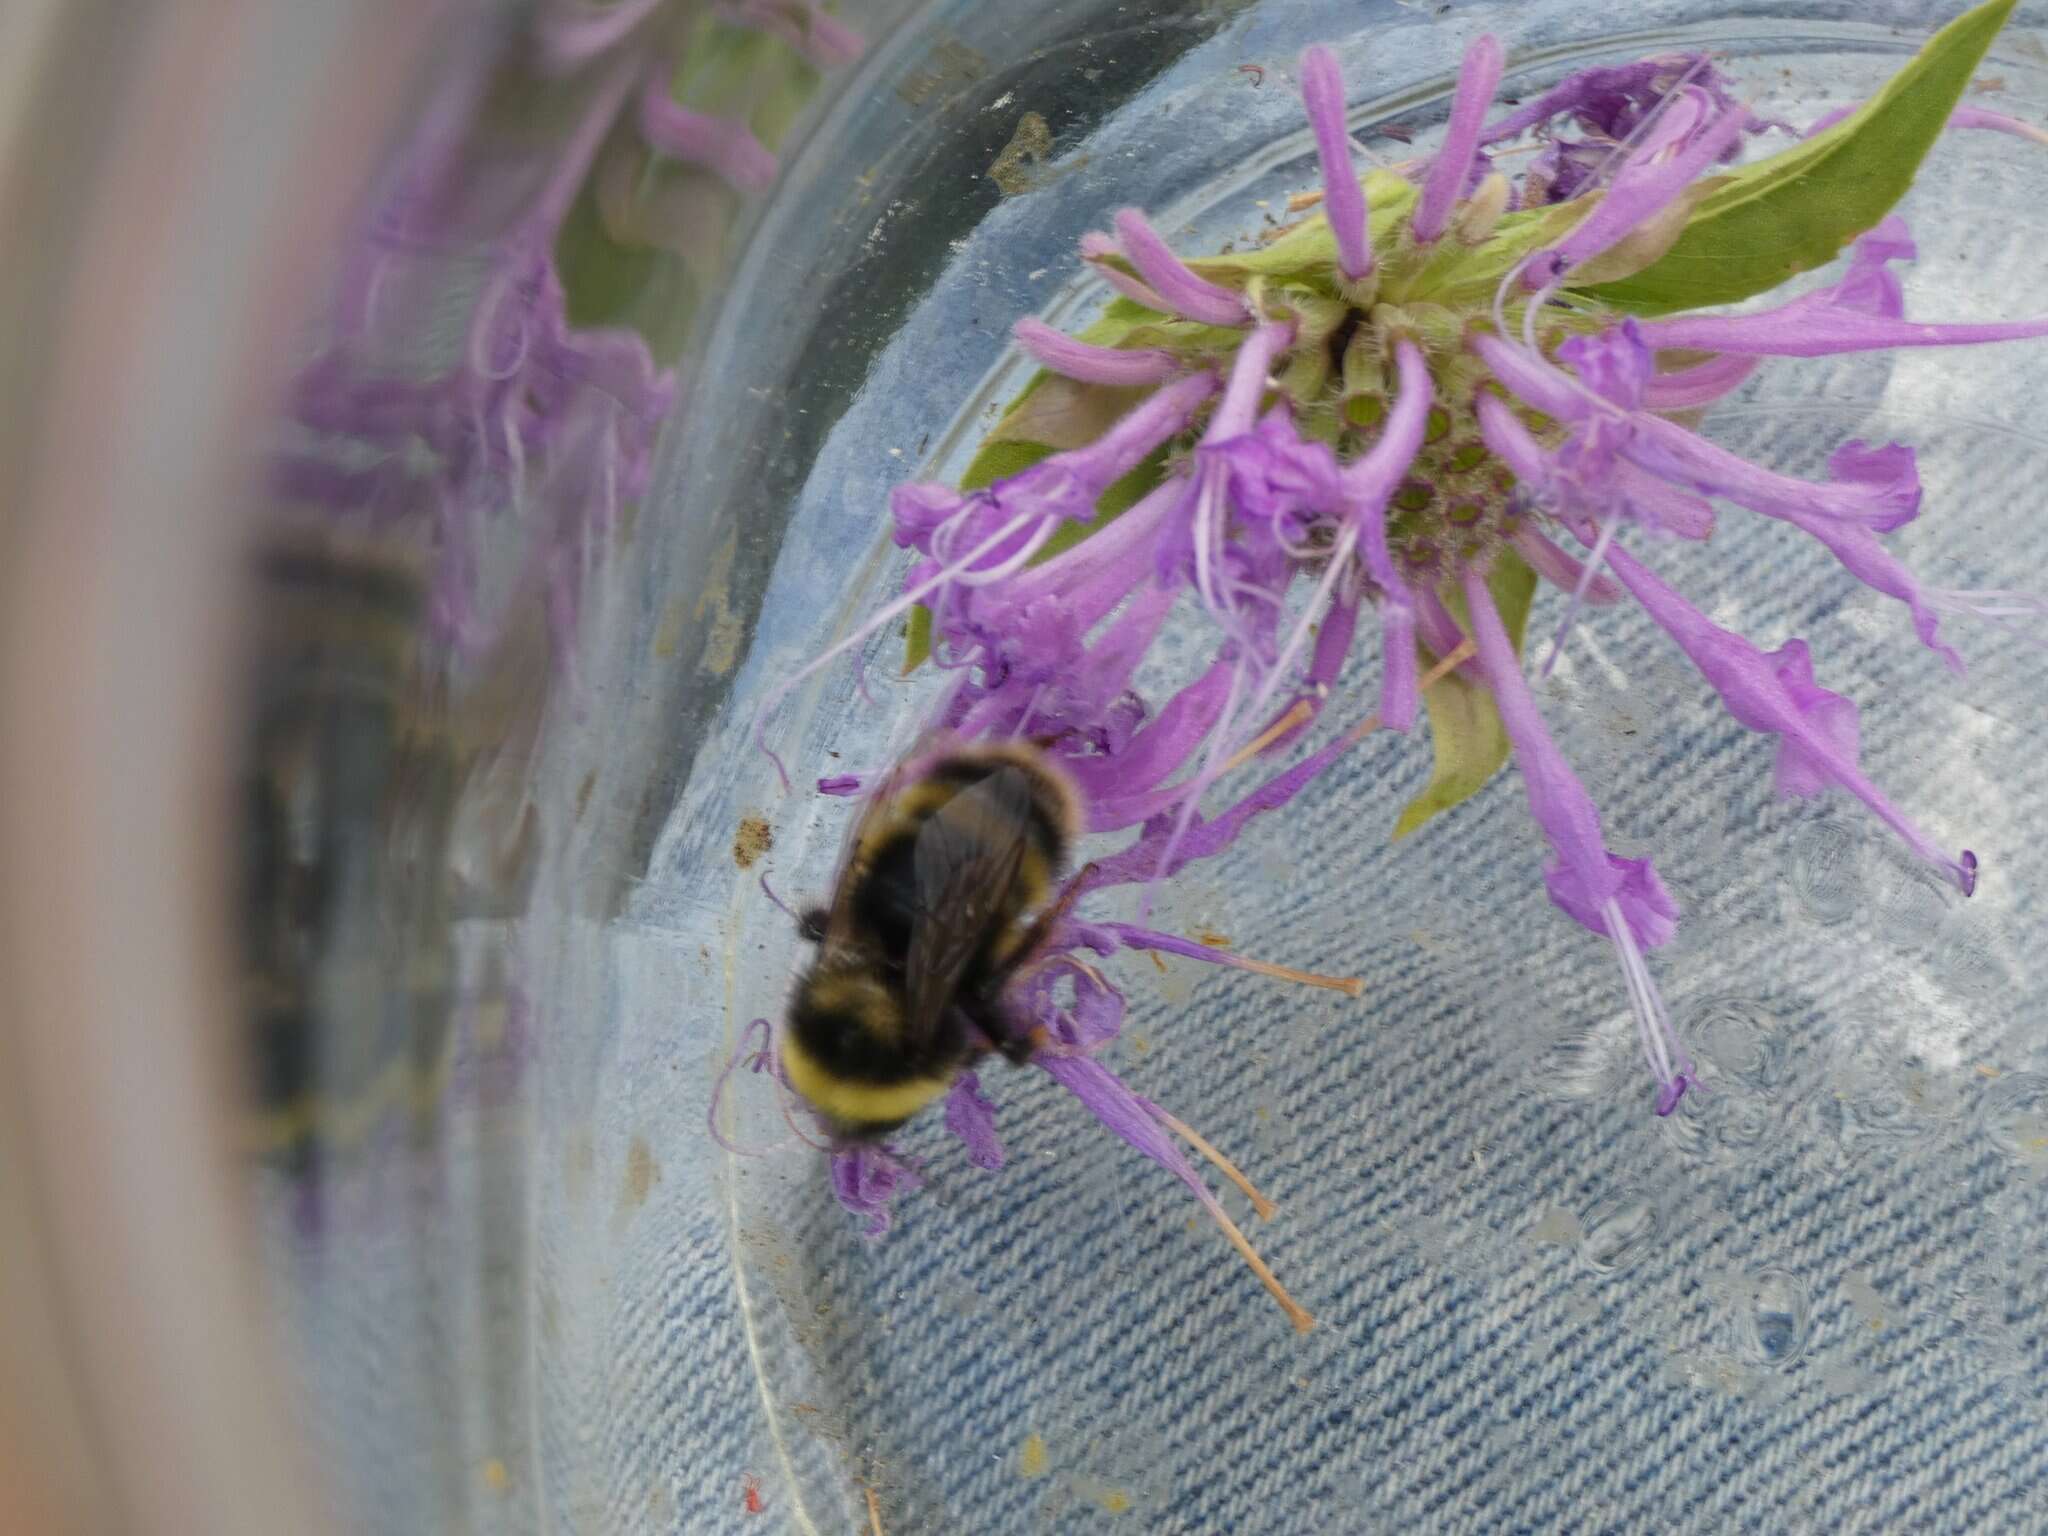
169 178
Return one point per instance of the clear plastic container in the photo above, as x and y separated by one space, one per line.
508 925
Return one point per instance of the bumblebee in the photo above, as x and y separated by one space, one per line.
929 923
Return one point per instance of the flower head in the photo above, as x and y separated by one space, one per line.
1416 404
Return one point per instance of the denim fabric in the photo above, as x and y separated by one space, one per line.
1812 1300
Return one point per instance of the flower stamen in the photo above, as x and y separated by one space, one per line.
1669 1064
1264 1207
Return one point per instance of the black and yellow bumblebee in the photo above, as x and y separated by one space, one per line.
930 921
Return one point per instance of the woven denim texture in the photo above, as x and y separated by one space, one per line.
1812 1300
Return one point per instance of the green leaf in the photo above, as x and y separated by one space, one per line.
1454 274
1795 211
1059 413
1464 724
1309 250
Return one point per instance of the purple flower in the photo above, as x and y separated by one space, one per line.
532 421
1411 426
971 1115
867 1180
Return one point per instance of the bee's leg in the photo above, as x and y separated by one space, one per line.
1039 934
1000 1030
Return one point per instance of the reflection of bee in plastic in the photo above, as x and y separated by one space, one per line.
926 928
354 792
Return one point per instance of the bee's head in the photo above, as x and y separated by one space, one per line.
810 924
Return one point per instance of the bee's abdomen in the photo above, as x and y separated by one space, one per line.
844 1053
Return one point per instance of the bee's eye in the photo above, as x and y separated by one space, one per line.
810 925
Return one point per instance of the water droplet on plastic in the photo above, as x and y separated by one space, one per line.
1915 905
1620 1229
1969 966
2013 1114
1743 1041
1577 1068
1773 1316
1826 872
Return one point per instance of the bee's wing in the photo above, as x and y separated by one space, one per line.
966 861
840 930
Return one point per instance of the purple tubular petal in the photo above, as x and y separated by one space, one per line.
1204 839
866 1179
1158 418
1125 790
971 1115
820 38
1095 245
1369 483
1584 877
1333 649
1882 493
1604 97
1656 505
1165 273
1322 94
1876 567
1437 627
1512 443
1801 330
1478 78
1642 189
728 149
1127 1116
1073 359
1775 692
575 30
1702 384
1962 117
1995 122
1560 569
1239 407
1661 507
